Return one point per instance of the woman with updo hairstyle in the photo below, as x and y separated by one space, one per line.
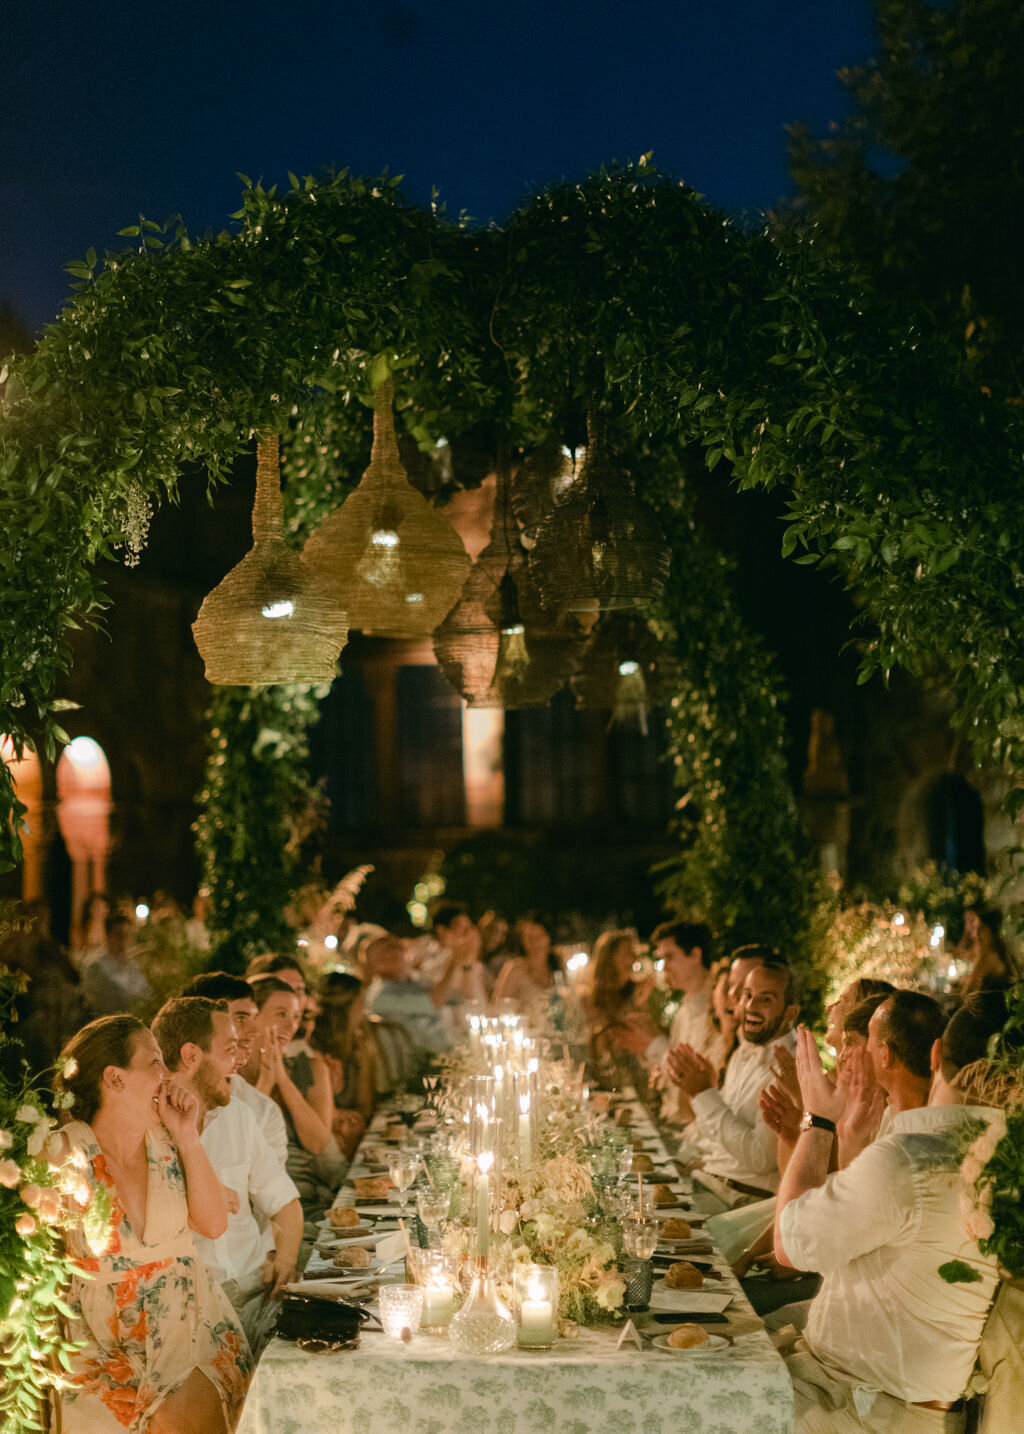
339 1035
533 973
161 1350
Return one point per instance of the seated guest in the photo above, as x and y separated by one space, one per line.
983 946
854 1033
242 1008
392 994
722 1019
301 1086
255 1257
685 950
736 1144
850 996
114 982
340 1037
529 978
289 969
463 981
615 1000
157 1344
888 1344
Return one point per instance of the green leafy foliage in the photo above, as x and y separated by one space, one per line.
257 807
958 1272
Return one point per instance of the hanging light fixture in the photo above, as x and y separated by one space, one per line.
389 557
626 670
599 549
269 620
542 480
499 646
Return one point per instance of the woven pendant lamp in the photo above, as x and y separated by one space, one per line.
599 548
542 480
389 558
626 670
499 646
269 620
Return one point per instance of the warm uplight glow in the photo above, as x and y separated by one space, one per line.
937 934
85 754
384 538
484 1161
141 911
577 961
898 919
628 669
414 597
285 608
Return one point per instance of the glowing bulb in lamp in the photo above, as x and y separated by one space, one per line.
937 934
630 705
85 754
513 658
141 911
284 608
381 563
331 942
899 919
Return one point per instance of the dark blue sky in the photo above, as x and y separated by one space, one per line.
112 110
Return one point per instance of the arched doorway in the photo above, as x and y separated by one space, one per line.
83 816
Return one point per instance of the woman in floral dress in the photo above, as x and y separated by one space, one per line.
163 1350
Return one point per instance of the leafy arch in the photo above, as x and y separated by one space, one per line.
624 291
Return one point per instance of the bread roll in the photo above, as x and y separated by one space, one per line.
665 1195
642 1163
683 1276
688 1336
343 1217
354 1258
372 1187
676 1229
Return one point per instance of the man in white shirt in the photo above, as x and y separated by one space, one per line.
243 1010
198 1043
735 1142
889 1345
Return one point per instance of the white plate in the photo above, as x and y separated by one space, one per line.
705 1284
715 1341
346 1232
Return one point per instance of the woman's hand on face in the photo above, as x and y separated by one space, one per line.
179 1111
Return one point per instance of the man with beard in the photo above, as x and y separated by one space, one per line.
738 1147
198 1043
237 995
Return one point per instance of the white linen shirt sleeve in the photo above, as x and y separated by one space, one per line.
868 1205
270 1188
753 1146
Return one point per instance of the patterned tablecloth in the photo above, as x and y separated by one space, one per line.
582 1386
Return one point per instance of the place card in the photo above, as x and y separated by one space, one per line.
629 1331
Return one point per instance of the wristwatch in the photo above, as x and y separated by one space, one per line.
817 1122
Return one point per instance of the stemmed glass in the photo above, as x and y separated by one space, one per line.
432 1206
640 1236
402 1167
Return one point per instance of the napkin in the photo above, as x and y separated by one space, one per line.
690 1301
390 1248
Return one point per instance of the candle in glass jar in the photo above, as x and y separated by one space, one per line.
525 1142
536 1322
438 1301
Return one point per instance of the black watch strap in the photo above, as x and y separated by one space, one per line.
817 1122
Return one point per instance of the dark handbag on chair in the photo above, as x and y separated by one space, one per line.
320 1324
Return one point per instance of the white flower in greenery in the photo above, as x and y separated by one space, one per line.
609 1295
6 1140
985 1146
508 1221
36 1142
971 1168
10 1173
979 1225
28 1113
70 1068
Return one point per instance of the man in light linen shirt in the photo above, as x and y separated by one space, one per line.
736 1144
198 1043
685 951
243 1010
889 1345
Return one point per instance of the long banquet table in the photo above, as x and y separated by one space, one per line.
582 1386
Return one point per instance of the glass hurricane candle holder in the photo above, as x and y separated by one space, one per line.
401 1307
535 1302
437 1273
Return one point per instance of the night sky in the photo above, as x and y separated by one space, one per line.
110 111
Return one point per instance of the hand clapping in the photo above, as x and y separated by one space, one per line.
818 1094
689 1070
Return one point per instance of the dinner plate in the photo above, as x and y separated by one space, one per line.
344 1232
715 1341
705 1284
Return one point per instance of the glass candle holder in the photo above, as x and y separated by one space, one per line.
401 1307
484 1325
535 1302
438 1276
639 1277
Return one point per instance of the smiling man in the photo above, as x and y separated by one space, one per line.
252 1262
735 1142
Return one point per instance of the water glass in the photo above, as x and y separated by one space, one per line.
640 1236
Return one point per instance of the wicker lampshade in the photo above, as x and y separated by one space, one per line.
499 646
389 558
598 548
542 480
269 620
625 669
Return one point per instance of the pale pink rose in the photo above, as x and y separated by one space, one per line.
985 1145
50 1206
985 1197
25 1225
55 1149
6 1140
36 1142
10 1173
971 1169
979 1225
30 1194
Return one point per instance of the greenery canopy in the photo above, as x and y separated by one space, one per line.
624 292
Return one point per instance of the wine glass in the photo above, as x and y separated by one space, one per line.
432 1206
640 1236
402 1167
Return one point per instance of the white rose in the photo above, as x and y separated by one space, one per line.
979 1225
37 1140
10 1173
6 1140
27 1113
971 1169
70 1069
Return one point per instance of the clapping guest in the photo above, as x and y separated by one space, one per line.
850 996
114 982
339 1036
736 1144
394 996
463 980
256 1256
888 1345
157 1344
